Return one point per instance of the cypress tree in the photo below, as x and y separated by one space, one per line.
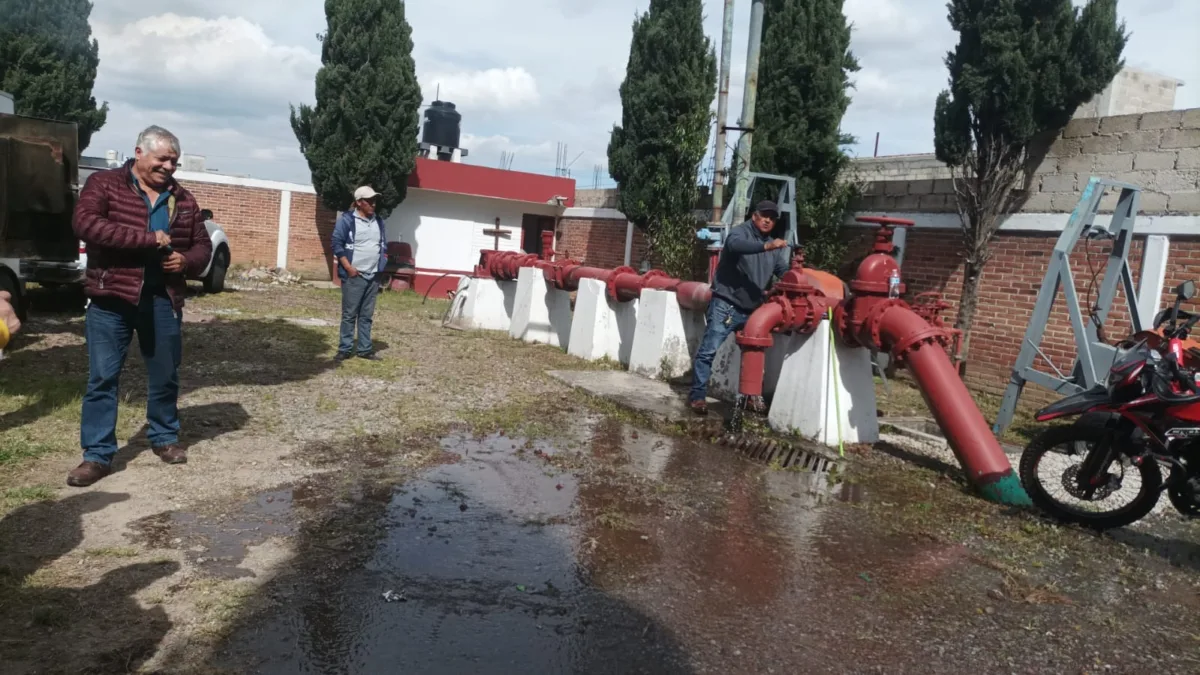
1020 70
804 78
363 129
655 152
48 62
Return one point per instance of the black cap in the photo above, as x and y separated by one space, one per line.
767 207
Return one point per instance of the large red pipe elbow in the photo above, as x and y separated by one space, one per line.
912 340
754 340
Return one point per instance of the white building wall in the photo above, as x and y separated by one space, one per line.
446 230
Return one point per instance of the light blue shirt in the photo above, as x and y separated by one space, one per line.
366 245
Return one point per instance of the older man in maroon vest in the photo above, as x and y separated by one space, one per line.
144 235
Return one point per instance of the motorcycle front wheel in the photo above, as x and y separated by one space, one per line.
1050 465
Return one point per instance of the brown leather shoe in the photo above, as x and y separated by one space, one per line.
87 473
172 454
699 407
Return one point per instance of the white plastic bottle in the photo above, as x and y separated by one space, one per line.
894 284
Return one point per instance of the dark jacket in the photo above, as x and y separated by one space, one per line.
745 268
343 243
112 218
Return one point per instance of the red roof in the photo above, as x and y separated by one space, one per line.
484 181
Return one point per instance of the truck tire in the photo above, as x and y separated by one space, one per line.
215 281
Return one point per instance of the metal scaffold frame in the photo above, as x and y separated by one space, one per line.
1094 356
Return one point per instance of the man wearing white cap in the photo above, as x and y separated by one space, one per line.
360 248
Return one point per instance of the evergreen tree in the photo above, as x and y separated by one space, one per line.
1020 70
655 152
803 83
363 129
48 62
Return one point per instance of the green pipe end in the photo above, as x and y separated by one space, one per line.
1006 489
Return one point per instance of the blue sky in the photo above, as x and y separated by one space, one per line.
526 74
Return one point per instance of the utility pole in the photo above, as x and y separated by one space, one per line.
749 99
718 191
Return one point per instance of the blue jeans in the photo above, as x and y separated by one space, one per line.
358 308
110 325
723 319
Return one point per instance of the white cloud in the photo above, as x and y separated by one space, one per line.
525 75
491 89
224 66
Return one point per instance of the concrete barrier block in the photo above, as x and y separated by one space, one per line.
666 336
541 313
602 328
820 401
483 304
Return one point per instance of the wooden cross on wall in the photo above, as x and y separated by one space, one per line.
498 232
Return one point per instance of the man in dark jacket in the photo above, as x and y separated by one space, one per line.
750 258
144 235
360 248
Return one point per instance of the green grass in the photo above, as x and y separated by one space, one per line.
20 496
112 552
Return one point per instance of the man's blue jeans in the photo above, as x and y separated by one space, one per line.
723 319
110 325
358 308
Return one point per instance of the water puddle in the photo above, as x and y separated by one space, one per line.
637 553
477 571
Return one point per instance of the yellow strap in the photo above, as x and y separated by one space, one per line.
3 335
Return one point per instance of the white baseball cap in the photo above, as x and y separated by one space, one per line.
365 192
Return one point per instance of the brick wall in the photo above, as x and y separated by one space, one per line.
1010 283
250 217
1160 152
309 231
599 242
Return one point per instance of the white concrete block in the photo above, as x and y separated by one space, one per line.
602 328
727 368
666 336
813 399
483 304
541 313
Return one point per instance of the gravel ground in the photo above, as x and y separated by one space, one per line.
294 496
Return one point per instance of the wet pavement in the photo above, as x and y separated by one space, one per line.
639 553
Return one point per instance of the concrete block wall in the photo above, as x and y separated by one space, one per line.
1158 151
602 198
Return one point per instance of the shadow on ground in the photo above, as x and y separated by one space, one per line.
198 423
38 615
253 352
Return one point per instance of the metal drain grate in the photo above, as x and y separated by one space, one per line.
786 455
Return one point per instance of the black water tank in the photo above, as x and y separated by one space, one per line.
442 124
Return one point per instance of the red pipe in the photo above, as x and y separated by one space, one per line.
693 295
947 397
754 339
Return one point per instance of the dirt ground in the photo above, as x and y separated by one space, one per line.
453 509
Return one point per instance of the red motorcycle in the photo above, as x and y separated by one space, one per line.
1145 417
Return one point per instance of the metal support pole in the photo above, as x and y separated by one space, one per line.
718 191
741 194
